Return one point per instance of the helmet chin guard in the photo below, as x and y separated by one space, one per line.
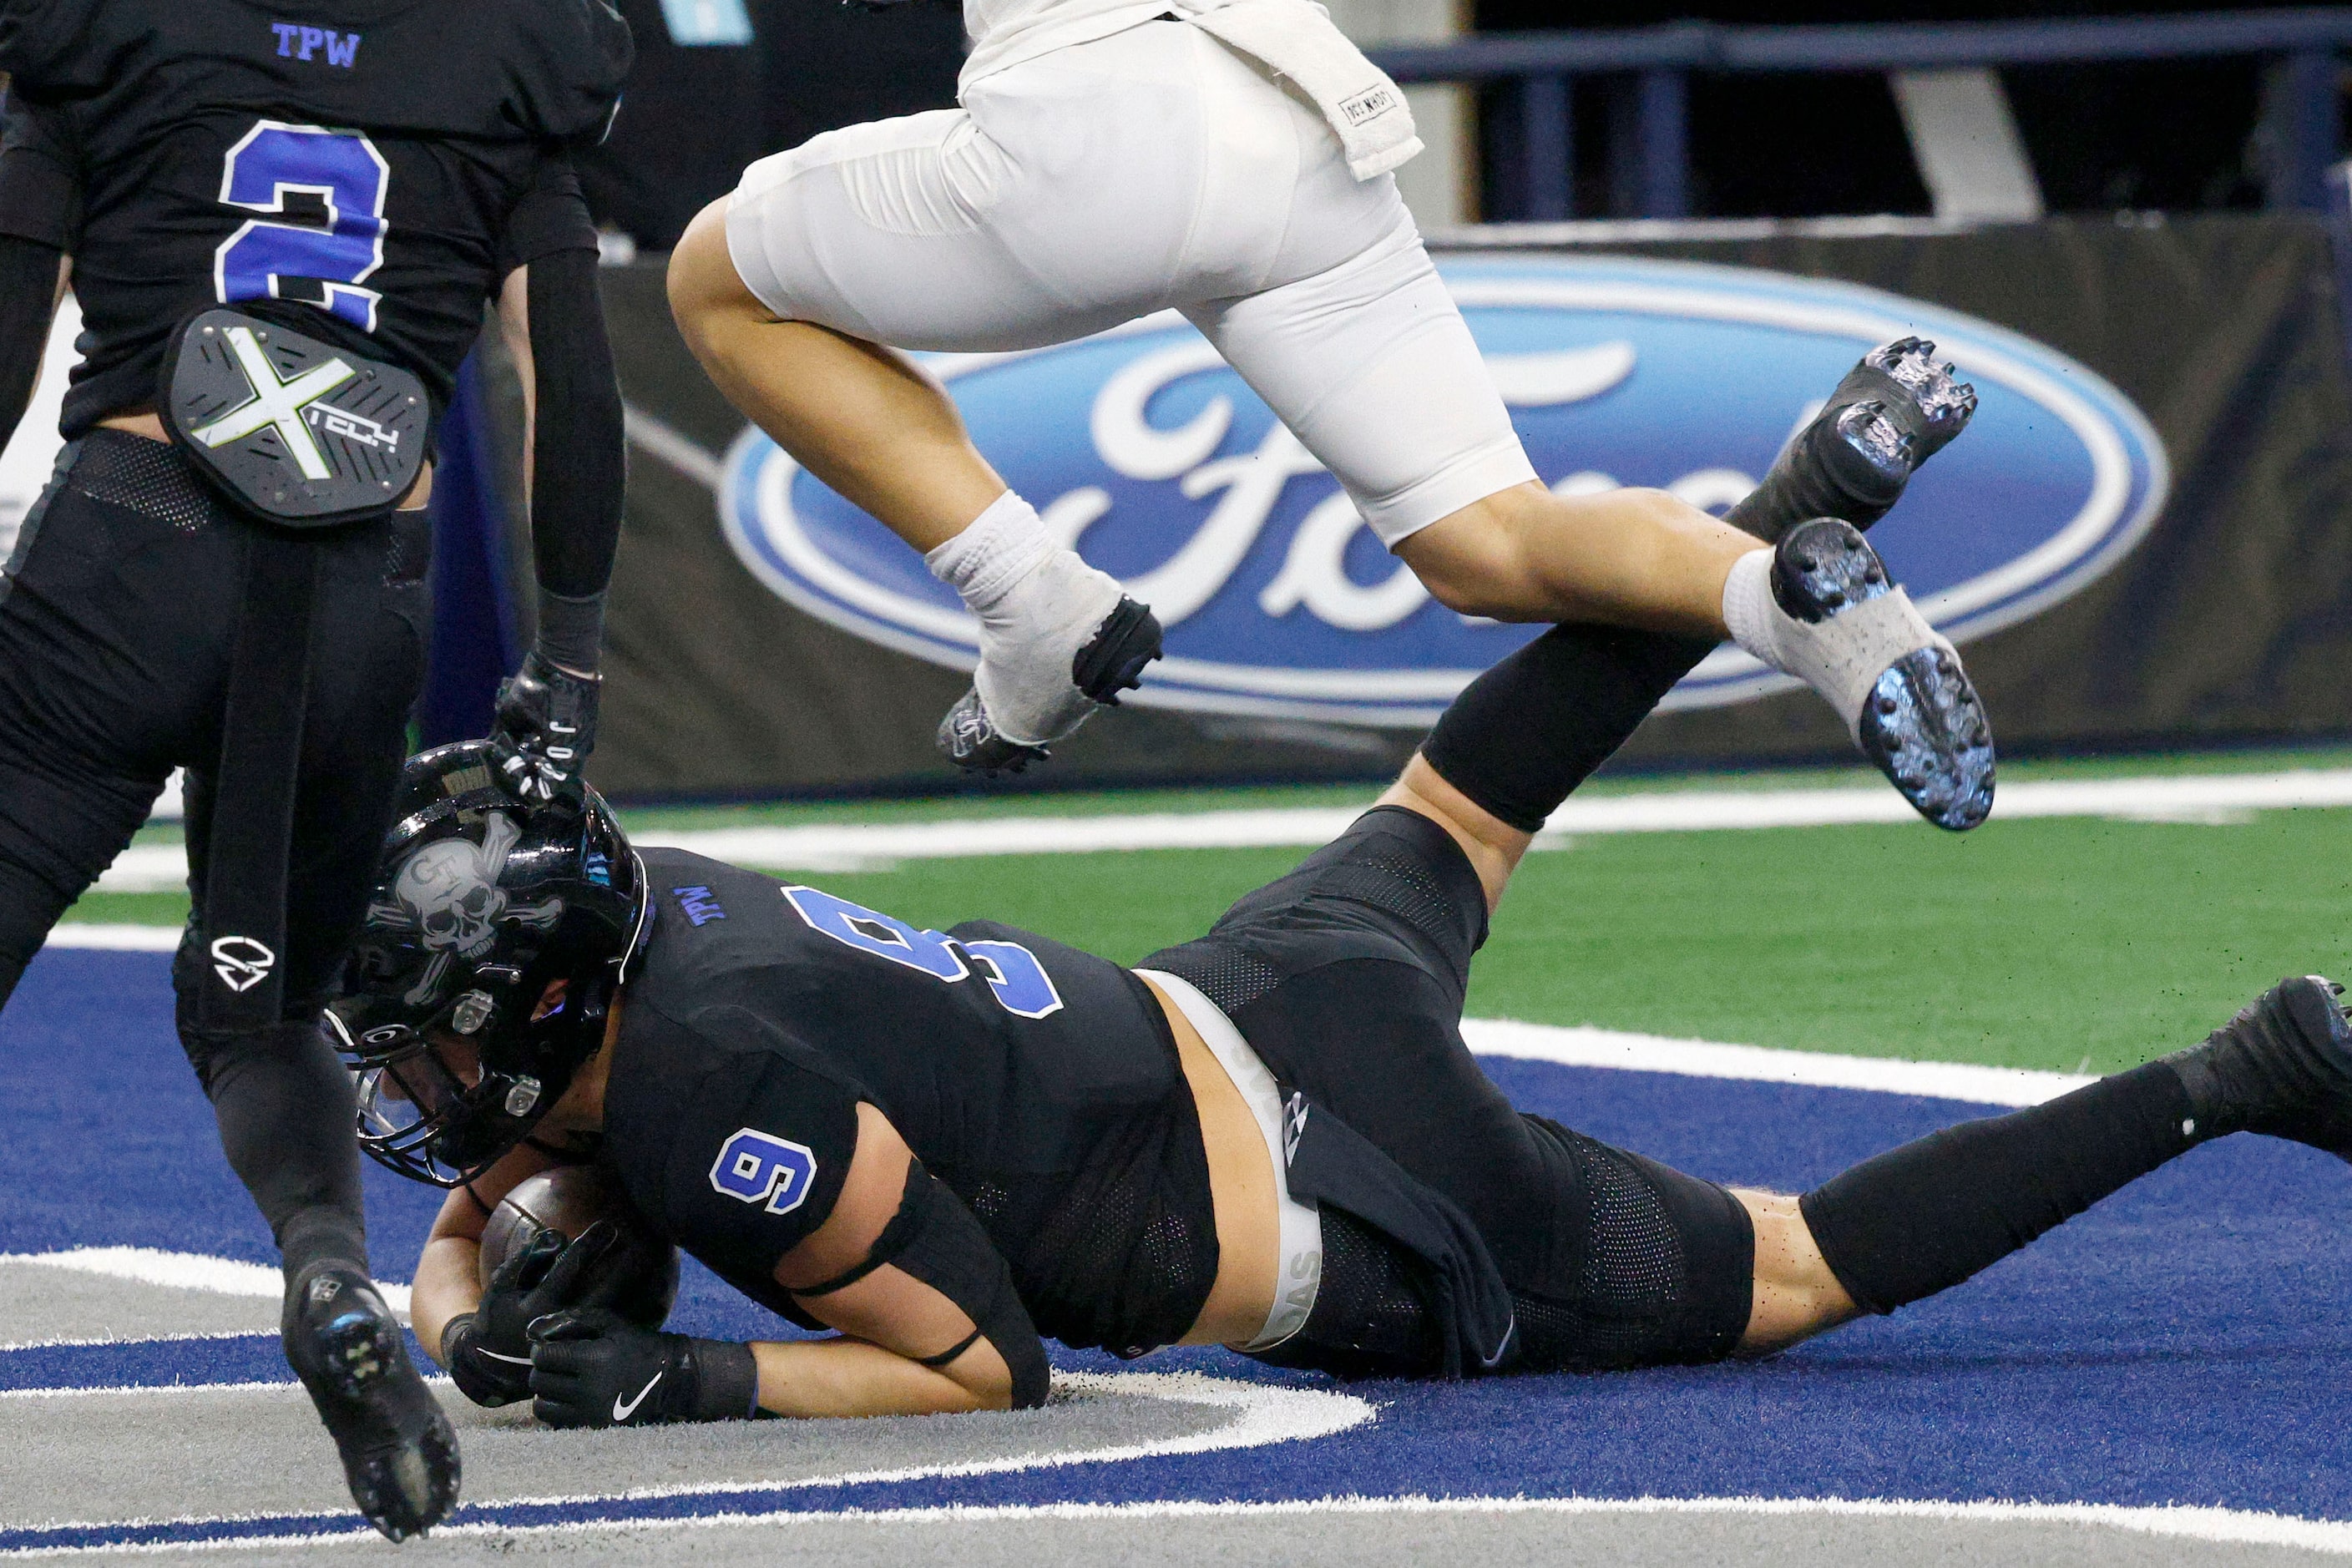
497 935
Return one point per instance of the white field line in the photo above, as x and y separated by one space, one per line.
1262 1415
1592 1048
179 1270
115 938
2220 1526
847 847
434 1380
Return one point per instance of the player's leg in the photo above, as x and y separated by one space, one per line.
86 718
1371 365
1056 203
1347 978
281 1097
1923 1218
861 418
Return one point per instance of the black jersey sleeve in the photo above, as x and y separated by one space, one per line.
551 215
568 61
55 46
758 1159
41 191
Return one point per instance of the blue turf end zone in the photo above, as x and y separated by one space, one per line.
2188 1341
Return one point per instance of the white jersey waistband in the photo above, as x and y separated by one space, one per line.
1301 1271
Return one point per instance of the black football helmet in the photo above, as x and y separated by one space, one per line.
495 925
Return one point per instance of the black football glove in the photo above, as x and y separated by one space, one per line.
488 1349
592 1367
547 726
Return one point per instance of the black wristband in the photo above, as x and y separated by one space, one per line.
479 1378
453 1334
572 631
727 1381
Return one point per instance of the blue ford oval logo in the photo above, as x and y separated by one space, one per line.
1141 447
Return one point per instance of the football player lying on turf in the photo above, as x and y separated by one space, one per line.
1274 1138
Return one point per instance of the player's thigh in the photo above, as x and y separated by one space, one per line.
1377 1043
60 827
923 233
1642 1265
1347 977
1074 191
1371 366
112 648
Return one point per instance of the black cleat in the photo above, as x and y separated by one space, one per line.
399 1453
1892 412
2282 1066
1922 723
1112 661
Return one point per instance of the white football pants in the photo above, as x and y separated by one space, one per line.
1149 170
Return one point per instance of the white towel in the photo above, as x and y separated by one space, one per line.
1297 38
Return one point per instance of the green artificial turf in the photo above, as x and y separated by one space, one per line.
979 802
2048 943
2036 944
131 909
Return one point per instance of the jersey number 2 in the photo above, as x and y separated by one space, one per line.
1017 980
322 192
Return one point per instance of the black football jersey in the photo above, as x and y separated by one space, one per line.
365 170
759 1015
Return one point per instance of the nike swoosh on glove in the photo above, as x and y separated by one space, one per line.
592 1367
488 1349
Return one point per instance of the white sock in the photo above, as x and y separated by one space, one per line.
1841 657
995 550
1038 603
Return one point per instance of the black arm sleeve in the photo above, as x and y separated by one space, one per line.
579 465
40 196
934 1238
28 291
39 208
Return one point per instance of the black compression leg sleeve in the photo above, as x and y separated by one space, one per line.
1524 734
285 1111
1923 1218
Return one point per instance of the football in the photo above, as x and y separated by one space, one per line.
637 1279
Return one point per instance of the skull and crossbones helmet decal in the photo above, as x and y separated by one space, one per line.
500 924
448 891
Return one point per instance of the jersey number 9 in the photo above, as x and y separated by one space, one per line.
1012 972
323 194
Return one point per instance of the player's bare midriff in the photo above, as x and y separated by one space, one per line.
151 426
1241 1191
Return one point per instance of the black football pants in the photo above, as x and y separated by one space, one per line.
116 612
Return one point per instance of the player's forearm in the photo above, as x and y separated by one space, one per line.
448 1285
579 467
31 280
850 1377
